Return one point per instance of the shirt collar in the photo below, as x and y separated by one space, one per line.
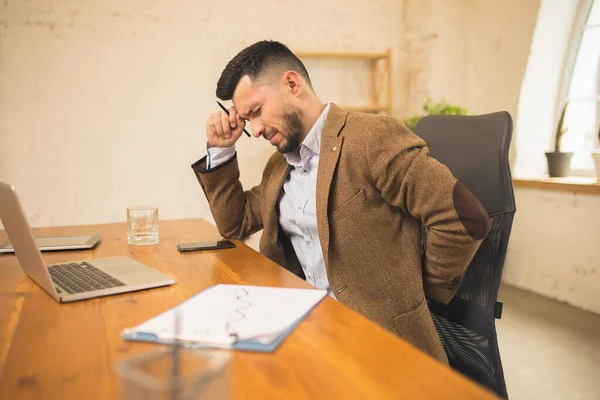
311 144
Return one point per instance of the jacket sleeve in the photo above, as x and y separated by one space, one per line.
408 178
236 212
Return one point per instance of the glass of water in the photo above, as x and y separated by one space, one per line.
142 225
186 374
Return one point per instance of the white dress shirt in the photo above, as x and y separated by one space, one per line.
297 205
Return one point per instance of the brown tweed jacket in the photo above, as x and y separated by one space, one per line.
376 184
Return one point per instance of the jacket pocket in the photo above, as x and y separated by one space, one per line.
348 207
417 328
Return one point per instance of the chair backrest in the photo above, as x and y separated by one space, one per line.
475 149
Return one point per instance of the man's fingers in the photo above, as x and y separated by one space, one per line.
218 126
210 126
210 130
233 117
240 121
219 132
226 125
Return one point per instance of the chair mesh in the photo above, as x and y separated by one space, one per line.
481 282
471 341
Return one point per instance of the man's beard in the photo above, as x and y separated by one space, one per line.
291 140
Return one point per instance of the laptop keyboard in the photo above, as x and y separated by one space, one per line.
81 277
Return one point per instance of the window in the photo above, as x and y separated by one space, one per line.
583 113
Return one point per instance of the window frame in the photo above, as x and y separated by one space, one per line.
579 27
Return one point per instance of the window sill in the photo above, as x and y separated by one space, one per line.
568 184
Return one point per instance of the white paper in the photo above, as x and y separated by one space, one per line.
225 313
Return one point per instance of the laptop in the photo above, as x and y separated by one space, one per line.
72 281
57 243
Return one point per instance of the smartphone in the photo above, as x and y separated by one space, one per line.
221 244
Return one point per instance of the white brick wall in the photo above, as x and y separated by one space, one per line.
554 246
103 103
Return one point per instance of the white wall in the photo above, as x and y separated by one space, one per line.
472 53
103 103
554 248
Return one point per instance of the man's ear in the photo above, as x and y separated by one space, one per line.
292 82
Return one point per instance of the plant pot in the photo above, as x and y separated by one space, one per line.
596 157
559 164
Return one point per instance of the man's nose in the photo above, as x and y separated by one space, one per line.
257 129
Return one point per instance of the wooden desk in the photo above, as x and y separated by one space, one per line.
69 351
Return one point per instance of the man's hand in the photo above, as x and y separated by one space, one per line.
224 130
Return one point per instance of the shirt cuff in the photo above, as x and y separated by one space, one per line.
218 155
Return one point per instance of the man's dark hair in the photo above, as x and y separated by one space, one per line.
254 61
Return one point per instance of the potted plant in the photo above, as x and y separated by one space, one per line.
596 157
440 108
559 163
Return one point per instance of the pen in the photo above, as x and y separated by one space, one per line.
227 112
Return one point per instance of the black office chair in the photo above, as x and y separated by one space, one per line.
475 149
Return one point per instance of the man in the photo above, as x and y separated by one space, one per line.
342 201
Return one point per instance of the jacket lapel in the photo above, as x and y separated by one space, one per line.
331 146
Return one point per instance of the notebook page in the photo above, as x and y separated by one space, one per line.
225 313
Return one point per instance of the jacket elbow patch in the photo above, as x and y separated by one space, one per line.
470 212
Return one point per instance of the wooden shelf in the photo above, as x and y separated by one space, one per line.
340 54
381 76
567 184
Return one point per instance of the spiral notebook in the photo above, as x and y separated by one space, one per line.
253 318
